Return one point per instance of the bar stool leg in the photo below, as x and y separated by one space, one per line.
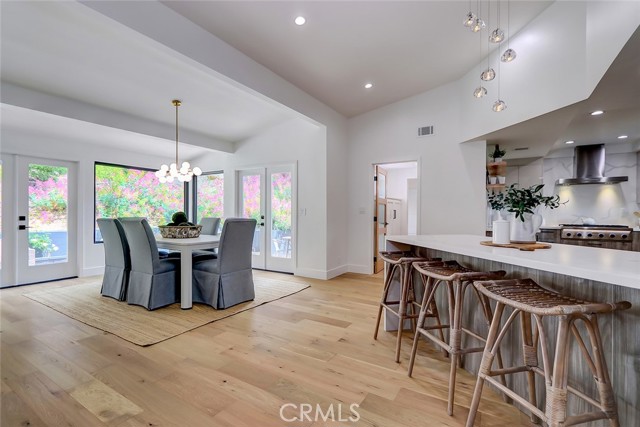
490 350
530 358
427 297
387 285
601 374
402 310
455 336
411 307
433 306
486 308
556 407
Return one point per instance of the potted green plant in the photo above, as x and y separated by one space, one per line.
497 154
522 202
496 201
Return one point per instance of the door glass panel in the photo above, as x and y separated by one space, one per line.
251 206
48 222
382 193
382 211
281 215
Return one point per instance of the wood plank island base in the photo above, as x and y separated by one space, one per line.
592 274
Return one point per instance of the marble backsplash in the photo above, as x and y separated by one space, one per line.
607 204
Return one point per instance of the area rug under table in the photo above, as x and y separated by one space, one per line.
142 327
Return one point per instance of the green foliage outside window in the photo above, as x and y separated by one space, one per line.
210 196
127 192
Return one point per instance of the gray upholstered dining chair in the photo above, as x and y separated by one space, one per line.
153 282
227 280
117 260
210 225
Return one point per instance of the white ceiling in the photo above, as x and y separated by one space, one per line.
67 50
402 47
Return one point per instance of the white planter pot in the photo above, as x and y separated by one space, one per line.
525 232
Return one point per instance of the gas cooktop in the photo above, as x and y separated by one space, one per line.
596 232
604 226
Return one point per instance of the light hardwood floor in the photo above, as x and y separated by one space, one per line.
314 347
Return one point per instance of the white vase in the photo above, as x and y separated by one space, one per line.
525 231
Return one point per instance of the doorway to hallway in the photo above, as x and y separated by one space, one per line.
395 194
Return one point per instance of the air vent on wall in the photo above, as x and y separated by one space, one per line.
425 130
521 149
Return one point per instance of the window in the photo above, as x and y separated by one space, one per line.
122 191
210 195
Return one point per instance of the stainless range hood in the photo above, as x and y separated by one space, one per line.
589 167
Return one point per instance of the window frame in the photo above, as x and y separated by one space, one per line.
97 163
194 217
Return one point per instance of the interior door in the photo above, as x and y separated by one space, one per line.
47 220
268 195
380 218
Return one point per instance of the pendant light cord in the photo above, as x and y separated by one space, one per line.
177 104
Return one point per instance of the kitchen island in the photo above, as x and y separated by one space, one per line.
587 273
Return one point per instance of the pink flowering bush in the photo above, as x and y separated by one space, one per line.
48 192
124 192
210 196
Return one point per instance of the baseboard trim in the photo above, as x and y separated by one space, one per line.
92 271
311 273
360 269
335 272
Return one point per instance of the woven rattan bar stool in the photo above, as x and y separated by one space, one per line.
407 305
458 279
528 299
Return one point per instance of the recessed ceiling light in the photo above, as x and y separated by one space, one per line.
623 137
569 142
597 112
368 85
300 20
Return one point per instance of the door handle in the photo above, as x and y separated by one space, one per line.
23 227
262 224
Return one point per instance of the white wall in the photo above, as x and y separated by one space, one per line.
295 142
90 255
451 174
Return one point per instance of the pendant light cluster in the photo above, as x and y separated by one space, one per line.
477 24
169 173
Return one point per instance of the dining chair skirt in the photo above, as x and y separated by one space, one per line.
153 282
117 259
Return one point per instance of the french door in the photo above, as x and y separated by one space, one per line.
46 220
268 195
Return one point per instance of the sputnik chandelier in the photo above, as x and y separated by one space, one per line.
476 24
169 173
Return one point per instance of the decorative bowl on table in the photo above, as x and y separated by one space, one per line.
180 231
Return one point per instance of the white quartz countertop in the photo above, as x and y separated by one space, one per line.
604 265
